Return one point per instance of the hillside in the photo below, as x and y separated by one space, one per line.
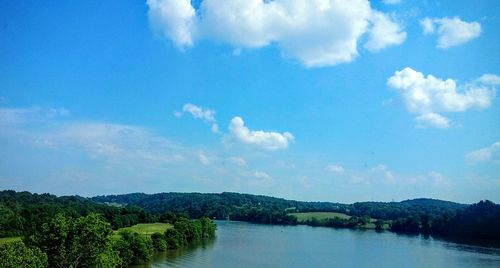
227 204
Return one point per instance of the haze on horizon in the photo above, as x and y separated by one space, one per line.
314 100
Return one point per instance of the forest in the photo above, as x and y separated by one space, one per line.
89 241
53 228
423 215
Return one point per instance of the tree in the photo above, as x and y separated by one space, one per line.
379 225
175 238
159 243
207 227
17 255
81 242
133 247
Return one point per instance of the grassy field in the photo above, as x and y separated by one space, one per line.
303 216
9 239
319 215
146 228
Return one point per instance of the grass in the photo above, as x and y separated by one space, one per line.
5 240
303 216
145 228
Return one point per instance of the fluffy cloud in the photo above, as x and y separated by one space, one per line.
491 153
451 32
207 115
384 32
428 95
259 138
316 32
173 19
432 120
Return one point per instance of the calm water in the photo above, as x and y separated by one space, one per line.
240 244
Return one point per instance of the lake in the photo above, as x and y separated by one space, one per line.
241 244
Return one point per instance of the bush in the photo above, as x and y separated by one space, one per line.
133 248
159 243
16 254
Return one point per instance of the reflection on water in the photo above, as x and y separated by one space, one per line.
240 244
181 257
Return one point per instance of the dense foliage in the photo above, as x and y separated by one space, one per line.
408 208
219 206
24 213
264 209
16 254
428 216
186 231
133 248
88 241
337 222
74 242
479 220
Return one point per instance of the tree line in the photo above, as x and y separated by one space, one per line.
423 215
427 216
24 213
88 241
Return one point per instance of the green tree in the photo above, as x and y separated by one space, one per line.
175 238
379 225
109 258
159 243
17 255
208 227
134 248
81 242
191 230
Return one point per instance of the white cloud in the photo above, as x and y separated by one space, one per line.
489 79
117 143
316 32
42 128
173 19
491 153
205 114
20 115
385 171
429 95
451 31
428 26
432 120
239 161
335 168
384 32
262 139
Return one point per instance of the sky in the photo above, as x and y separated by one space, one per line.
320 100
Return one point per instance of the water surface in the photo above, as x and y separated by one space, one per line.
241 244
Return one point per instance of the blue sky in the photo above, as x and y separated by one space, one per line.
311 100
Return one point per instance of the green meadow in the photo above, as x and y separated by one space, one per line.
4 240
304 216
146 228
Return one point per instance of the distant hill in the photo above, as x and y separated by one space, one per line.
22 213
223 205
434 202
213 204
